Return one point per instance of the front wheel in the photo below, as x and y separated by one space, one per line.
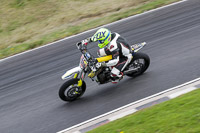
70 90
139 64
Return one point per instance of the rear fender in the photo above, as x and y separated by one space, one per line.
71 72
137 47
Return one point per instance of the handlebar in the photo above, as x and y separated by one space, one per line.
87 55
78 45
81 47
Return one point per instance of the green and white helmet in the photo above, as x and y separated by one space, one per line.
103 36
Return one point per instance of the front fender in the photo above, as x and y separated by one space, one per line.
70 72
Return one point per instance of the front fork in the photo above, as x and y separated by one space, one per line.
81 76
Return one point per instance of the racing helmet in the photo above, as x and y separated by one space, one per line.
103 36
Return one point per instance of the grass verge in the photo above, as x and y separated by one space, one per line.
27 24
180 115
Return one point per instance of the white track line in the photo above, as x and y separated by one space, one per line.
125 19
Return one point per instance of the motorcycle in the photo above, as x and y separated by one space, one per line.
75 87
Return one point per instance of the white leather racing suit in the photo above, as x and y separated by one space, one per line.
121 54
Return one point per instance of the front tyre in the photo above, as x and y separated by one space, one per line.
70 90
139 64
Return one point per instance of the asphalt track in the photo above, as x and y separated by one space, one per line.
29 83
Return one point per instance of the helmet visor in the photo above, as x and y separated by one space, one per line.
102 41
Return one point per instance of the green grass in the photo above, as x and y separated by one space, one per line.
26 24
180 115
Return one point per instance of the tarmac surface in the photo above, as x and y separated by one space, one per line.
29 83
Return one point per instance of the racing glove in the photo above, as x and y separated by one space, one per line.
84 43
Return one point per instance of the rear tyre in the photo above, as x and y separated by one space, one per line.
70 90
139 63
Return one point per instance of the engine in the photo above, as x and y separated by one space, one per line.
104 76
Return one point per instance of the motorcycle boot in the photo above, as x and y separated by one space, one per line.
116 75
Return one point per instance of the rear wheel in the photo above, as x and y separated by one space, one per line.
70 90
138 65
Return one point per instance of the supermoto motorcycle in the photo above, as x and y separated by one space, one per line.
75 86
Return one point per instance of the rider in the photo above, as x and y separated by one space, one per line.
115 45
